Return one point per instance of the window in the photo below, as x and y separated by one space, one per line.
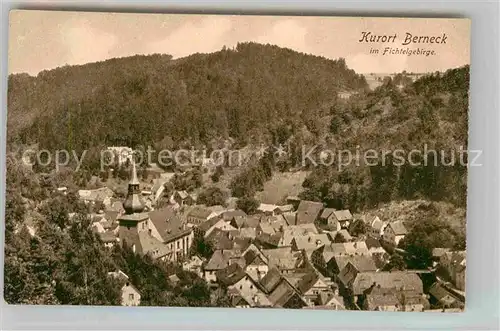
131 296
178 244
251 286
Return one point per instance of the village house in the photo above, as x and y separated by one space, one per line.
293 200
293 231
375 226
220 260
130 295
394 232
328 220
321 256
404 282
169 228
308 212
200 214
454 262
441 297
256 264
237 281
100 195
109 239
309 284
183 198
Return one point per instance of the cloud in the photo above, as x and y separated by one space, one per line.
204 36
84 43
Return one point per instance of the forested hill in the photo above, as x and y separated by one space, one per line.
243 93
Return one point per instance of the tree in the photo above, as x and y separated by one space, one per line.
248 204
212 196
423 238
396 262
357 228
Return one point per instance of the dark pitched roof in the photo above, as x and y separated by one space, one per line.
205 226
327 213
219 260
282 294
271 280
230 275
308 211
252 257
307 282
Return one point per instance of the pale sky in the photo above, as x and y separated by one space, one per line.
40 40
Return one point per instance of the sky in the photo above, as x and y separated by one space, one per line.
40 40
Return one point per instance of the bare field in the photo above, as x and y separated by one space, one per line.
282 185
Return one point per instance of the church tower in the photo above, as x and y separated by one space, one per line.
133 203
134 223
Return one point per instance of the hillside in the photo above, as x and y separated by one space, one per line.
244 93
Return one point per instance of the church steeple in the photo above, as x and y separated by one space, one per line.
133 203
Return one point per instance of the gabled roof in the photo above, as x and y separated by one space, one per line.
343 215
361 263
281 295
388 280
152 246
107 237
229 215
219 260
205 226
271 280
327 212
252 257
230 275
308 211
182 194
289 217
168 224
345 234
307 282
199 212
398 228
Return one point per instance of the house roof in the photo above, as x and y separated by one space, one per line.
293 231
398 228
168 224
387 280
285 208
199 212
282 294
205 226
361 263
289 217
251 221
343 215
219 260
326 297
230 275
311 241
307 281
265 207
265 238
327 212
247 233
308 211
230 214
152 246
96 195
271 280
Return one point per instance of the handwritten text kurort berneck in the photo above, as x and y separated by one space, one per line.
368 37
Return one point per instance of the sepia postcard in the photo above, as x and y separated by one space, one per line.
237 161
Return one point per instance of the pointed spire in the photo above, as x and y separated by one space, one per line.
134 180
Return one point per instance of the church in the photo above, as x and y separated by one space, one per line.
161 233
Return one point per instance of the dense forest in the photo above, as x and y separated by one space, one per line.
253 94
244 93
